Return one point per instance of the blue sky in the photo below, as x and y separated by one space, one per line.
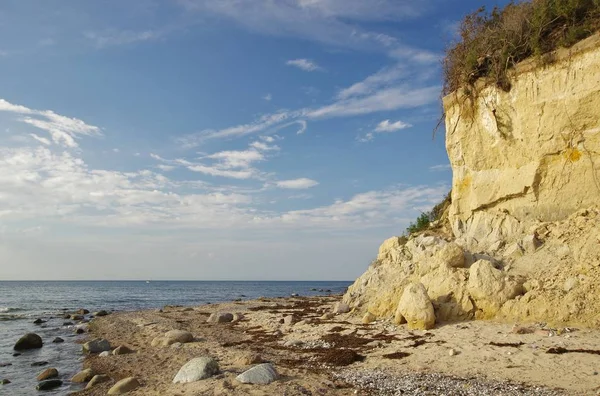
216 139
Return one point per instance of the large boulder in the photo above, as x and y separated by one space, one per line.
262 374
220 317
196 369
172 337
124 386
83 376
28 341
415 308
340 307
96 346
490 288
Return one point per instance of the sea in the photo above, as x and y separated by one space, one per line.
21 303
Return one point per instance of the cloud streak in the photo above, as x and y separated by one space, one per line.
304 64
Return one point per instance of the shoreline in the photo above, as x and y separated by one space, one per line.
303 344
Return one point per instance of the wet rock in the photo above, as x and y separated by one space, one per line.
82 311
96 346
76 317
79 330
39 364
57 340
122 350
16 354
39 321
220 317
368 318
100 313
415 308
48 374
5 381
49 384
97 379
124 386
196 369
262 374
341 308
5 364
83 376
28 341
68 323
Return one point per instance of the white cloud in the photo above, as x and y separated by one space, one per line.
268 97
387 126
237 159
264 146
165 168
63 130
116 150
40 139
304 64
440 168
297 184
114 37
217 171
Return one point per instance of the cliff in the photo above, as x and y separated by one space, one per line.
524 228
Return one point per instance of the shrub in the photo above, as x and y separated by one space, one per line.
424 221
493 42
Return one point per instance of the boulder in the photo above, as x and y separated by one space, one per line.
452 255
124 386
368 318
100 313
49 384
96 346
83 376
57 340
490 288
28 341
415 308
47 374
122 350
97 379
262 374
340 308
196 369
173 336
220 317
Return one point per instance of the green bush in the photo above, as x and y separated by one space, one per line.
426 218
493 42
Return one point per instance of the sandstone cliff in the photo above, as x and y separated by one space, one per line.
524 227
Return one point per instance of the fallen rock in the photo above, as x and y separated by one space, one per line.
452 255
49 384
490 288
262 374
368 318
415 308
124 386
47 374
100 313
97 379
220 317
57 340
28 341
340 308
196 369
83 376
122 350
96 346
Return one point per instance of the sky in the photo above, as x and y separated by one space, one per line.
217 139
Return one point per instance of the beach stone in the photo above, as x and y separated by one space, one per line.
79 330
68 323
124 386
262 374
39 364
96 346
76 317
57 340
83 376
341 308
327 316
104 354
97 379
5 381
368 318
182 336
415 308
237 317
220 317
100 313
49 384
39 321
452 352
28 341
122 350
196 369
249 359
47 374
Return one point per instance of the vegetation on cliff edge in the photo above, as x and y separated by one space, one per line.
493 42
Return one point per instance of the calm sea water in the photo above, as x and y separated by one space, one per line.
23 302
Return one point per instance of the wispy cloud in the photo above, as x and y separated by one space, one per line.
304 64
63 130
114 37
268 97
440 168
297 184
385 126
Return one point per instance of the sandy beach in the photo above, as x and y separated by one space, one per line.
318 353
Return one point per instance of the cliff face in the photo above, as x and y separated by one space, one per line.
525 226
528 155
